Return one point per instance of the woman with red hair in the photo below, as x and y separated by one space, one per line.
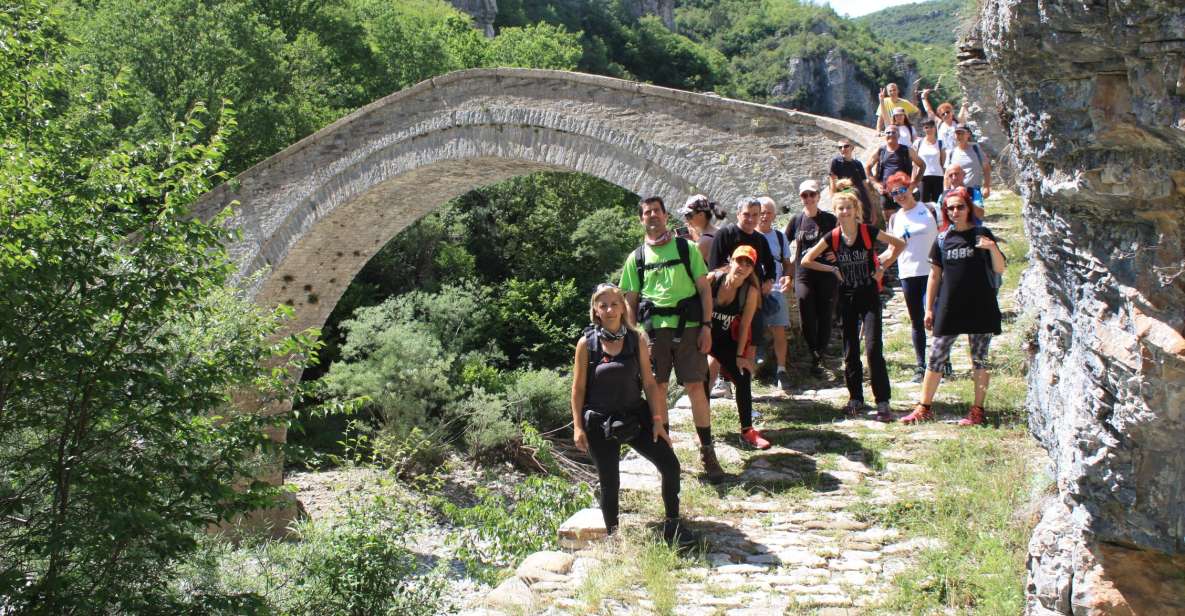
914 224
960 299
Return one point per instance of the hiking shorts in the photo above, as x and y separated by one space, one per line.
690 365
774 310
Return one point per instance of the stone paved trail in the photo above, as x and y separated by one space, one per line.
784 534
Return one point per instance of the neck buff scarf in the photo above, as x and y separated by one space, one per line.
611 336
662 239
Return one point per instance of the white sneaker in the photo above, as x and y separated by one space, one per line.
723 389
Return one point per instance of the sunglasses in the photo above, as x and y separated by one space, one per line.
898 192
845 147
809 194
955 208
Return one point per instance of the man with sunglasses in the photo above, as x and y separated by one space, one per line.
845 166
891 158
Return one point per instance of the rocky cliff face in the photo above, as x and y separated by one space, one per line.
664 9
831 85
482 11
1095 94
989 115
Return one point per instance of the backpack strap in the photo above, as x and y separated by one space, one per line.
876 259
640 265
684 248
978 154
782 244
835 239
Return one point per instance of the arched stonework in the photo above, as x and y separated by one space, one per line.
318 211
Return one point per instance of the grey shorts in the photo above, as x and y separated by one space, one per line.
774 310
690 365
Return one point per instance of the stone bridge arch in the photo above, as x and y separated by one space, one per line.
314 214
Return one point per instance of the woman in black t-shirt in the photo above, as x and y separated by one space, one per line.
961 299
859 272
815 290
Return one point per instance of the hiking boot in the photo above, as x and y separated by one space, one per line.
854 408
920 413
919 374
883 414
753 438
974 417
712 469
784 380
723 389
677 535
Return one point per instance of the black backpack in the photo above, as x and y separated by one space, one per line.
688 308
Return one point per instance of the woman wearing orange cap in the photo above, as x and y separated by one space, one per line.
735 299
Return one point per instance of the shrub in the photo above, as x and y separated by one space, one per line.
541 398
499 530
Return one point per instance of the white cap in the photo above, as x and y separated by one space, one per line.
808 186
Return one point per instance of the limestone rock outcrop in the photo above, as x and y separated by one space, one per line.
988 114
1095 94
832 85
663 9
483 13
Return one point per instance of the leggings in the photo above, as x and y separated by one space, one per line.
606 457
914 289
931 188
862 309
724 349
940 350
816 307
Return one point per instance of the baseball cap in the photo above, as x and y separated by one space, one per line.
960 126
808 186
695 203
747 252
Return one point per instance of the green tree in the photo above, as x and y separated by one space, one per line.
535 46
121 349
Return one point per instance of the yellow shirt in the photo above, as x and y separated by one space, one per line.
888 106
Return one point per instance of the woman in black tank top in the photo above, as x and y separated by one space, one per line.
735 300
858 270
609 374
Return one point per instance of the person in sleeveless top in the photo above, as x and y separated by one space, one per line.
612 389
961 299
859 272
735 300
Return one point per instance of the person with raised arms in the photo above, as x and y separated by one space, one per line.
859 272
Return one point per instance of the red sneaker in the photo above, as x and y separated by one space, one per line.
920 413
753 438
974 417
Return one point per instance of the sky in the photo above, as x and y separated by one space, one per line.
856 8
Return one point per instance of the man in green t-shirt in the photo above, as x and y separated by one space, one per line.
674 275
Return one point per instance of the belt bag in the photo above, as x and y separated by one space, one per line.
689 309
616 428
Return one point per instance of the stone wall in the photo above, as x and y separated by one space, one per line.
312 215
1096 93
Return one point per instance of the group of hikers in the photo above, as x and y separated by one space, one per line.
704 300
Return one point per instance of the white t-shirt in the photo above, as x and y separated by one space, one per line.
946 134
905 135
918 229
972 169
928 152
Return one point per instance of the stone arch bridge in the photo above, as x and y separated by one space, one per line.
311 216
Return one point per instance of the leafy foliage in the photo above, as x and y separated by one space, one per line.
499 530
122 353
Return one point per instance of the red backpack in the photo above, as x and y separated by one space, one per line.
867 237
